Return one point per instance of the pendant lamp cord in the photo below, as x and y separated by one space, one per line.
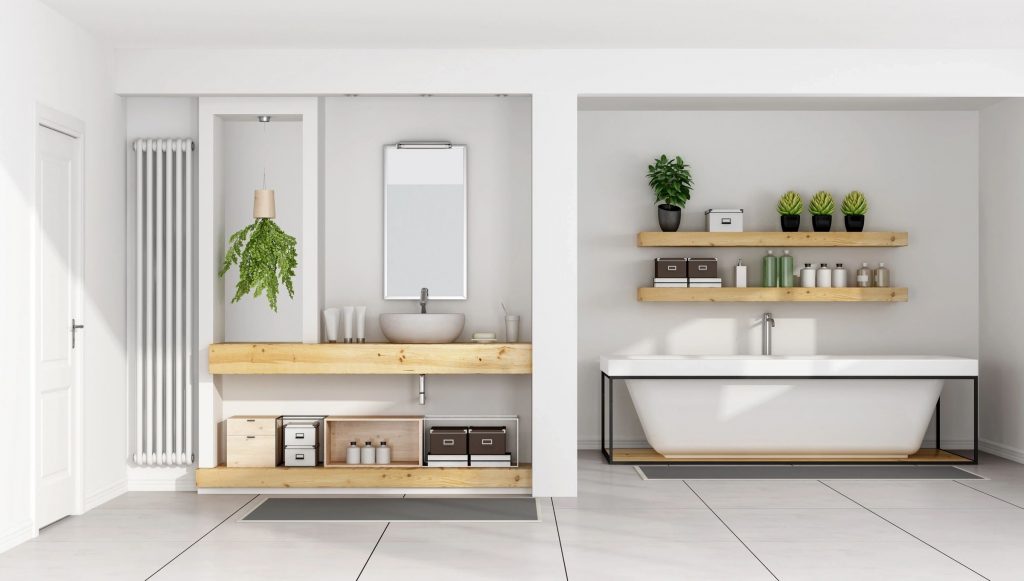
265 151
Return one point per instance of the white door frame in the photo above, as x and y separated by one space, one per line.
72 127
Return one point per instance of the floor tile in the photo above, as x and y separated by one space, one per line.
831 524
465 556
88 560
1010 491
238 530
931 525
543 530
133 525
998 561
226 503
632 526
628 490
858 561
657 560
914 494
270 561
768 494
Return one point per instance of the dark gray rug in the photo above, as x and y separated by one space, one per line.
395 509
805 472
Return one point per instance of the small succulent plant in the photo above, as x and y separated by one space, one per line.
790 204
822 204
854 204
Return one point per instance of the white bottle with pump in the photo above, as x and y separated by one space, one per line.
839 276
352 454
741 274
807 276
824 276
368 455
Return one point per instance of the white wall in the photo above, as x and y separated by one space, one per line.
919 171
1002 315
497 133
44 59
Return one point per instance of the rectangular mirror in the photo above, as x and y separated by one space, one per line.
425 220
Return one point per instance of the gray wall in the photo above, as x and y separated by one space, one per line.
918 169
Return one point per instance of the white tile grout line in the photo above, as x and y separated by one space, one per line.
565 566
742 542
988 494
226 519
933 547
372 551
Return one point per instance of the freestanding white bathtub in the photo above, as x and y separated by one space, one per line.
777 413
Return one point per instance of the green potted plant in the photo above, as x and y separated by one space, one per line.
266 259
821 207
670 179
855 205
791 205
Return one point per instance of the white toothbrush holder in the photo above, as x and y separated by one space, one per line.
332 317
349 311
360 324
512 328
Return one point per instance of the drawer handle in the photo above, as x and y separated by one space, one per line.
487 442
250 437
250 420
669 268
300 436
300 456
447 442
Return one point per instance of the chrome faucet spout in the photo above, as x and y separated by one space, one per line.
424 295
767 323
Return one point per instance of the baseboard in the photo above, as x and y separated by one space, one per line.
596 444
106 495
16 536
161 479
1002 450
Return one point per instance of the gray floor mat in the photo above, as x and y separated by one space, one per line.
395 509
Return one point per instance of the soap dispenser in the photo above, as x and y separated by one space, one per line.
807 276
383 453
368 455
839 276
352 455
824 276
741 274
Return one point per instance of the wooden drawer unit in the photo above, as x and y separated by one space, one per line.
254 441
253 425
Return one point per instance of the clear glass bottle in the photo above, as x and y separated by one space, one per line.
770 270
863 276
786 270
882 276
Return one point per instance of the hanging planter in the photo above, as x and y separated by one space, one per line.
265 254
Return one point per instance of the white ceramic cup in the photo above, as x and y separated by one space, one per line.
512 328
332 317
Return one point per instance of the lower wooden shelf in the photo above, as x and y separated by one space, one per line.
923 456
769 295
365 477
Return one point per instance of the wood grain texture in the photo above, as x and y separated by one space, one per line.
922 456
772 239
378 477
773 295
370 358
404 435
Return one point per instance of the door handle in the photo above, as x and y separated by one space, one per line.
74 330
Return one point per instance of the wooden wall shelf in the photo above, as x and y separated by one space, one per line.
771 295
772 239
367 477
370 358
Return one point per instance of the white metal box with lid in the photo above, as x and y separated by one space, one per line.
718 220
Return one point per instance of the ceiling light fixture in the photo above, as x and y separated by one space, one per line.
263 205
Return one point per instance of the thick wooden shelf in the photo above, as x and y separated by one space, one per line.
923 456
365 477
771 295
772 239
370 358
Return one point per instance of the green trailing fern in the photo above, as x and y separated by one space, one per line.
266 258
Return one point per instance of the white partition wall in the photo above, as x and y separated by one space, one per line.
213 112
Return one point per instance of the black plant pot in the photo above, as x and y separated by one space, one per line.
669 217
790 222
821 223
855 223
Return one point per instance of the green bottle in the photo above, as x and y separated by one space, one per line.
786 270
770 270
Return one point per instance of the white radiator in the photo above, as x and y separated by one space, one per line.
163 302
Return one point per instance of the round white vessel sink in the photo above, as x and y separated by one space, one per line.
422 327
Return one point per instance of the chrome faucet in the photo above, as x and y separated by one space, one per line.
424 294
767 323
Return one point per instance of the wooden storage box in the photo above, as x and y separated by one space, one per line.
404 435
253 441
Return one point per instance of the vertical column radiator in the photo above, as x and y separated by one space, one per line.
163 302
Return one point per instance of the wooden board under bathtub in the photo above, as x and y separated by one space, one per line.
647 455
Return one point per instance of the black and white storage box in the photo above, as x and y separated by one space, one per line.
716 220
448 460
490 460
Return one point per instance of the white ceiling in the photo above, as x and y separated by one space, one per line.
553 23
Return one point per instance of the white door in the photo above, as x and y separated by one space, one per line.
58 251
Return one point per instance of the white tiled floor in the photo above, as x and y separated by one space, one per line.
620 527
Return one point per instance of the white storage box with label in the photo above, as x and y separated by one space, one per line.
300 456
716 220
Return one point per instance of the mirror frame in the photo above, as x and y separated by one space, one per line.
465 218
